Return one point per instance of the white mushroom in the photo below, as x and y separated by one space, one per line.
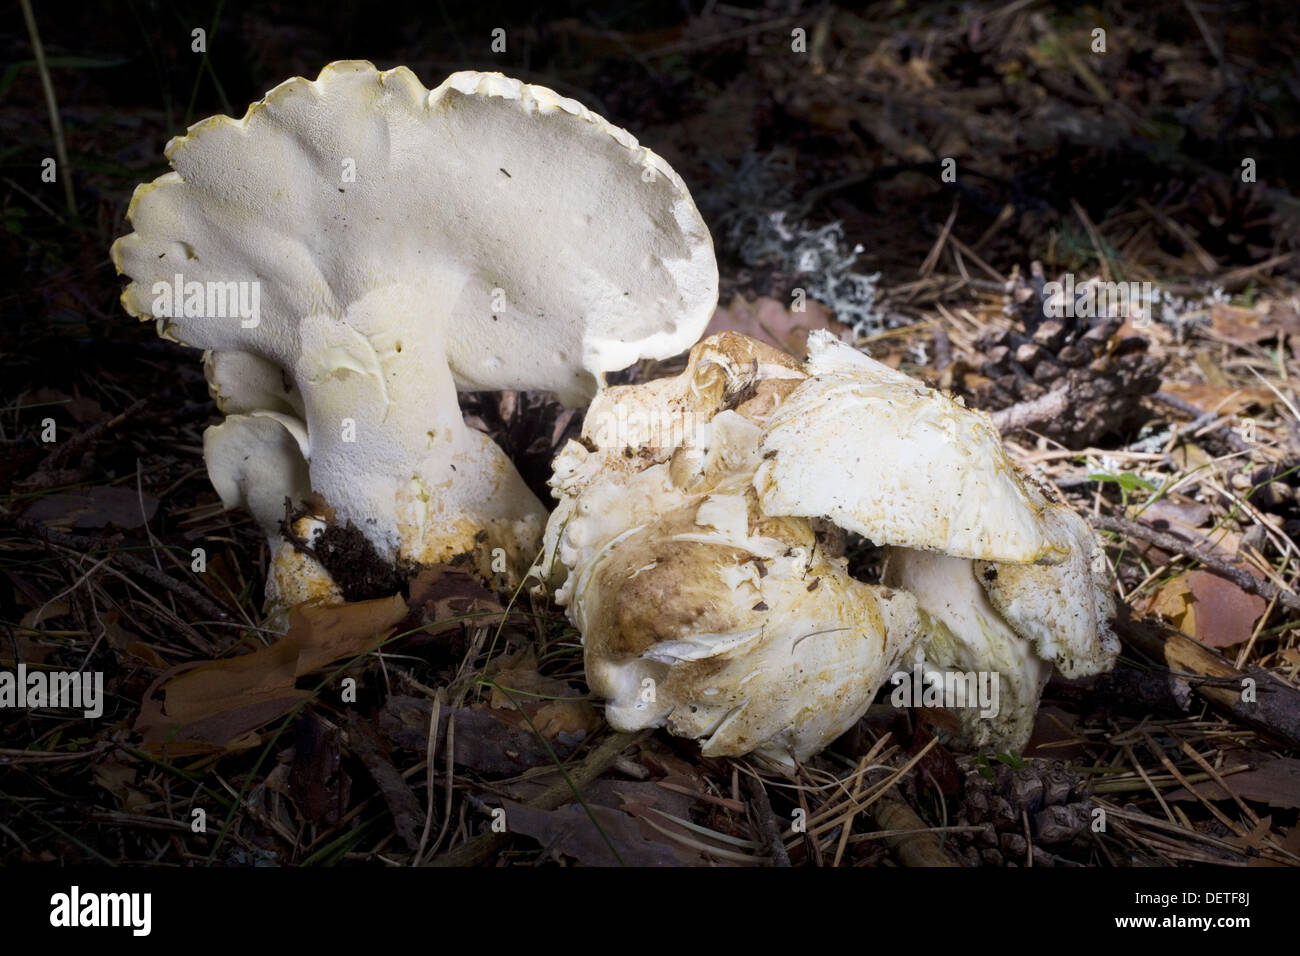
391 245
974 639
698 611
683 546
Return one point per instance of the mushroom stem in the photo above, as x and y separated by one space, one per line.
390 450
968 636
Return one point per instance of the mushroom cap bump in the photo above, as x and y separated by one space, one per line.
244 382
683 546
403 244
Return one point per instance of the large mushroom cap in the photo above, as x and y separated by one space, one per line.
327 190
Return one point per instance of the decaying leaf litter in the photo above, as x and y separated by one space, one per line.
1185 456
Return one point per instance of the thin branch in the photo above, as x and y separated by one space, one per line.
1176 545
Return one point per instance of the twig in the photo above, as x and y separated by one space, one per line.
1045 408
482 847
402 804
1235 441
936 250
1095 237
65 450
1273 709
768 826
1175 545
915 844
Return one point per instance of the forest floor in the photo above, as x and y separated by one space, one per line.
923 178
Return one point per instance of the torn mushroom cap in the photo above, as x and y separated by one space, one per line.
402 244
629 428
881 454
256 461
697 611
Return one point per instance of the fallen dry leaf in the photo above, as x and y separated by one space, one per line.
447 598
770 321
517 674
125 643
1244 326
1222 542
554 706
363 741
648 801
1225 614
46 612
490 742
218 705
1056 735
317 781
1174 511
1170 601
118 777
570 831
1222 399
1209 608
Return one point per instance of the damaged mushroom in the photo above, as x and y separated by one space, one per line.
698 611
388 246
689 548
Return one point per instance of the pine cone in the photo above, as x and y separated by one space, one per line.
1105 375
1054 800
